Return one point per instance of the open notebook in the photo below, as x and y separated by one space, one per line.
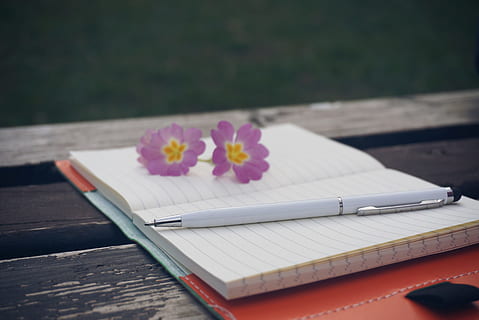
243 260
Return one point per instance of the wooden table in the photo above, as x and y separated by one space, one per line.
61 258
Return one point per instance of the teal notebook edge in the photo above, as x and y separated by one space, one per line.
133 233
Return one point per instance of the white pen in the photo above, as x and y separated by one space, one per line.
361 205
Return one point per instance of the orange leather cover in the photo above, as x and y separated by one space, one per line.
373 294
77 179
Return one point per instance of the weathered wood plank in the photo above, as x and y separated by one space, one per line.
338 119
42 219
365 117
33 144
446 163
120 282
59 203
411 136
40 173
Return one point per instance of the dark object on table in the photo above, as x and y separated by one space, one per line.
445 295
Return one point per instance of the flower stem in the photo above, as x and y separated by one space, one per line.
210 161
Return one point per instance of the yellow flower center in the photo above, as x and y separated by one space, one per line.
174 151
235 153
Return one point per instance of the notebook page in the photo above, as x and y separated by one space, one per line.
296 156
251 253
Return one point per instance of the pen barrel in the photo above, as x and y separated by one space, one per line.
352 204
262 213
311 208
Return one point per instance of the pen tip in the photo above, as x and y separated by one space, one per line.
172 221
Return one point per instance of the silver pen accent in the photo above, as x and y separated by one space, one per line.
426 204
173 221
341 206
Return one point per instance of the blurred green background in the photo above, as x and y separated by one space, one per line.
83 60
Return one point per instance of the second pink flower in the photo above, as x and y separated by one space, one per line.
242 152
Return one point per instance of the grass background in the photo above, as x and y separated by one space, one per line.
83 60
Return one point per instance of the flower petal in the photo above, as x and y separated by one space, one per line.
184 168
190 158
227 129
241 173
157 140
174 170
221 168
157 167
197 147
254 172
223 134
243 131
165 134
151 153
219 155
248 136
177 132
258 151
260 164
146 138
251 170
191 135
218 138
139 146
142 160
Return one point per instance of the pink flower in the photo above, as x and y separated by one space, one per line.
170 151
243 153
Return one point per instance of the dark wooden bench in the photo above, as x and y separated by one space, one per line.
61 258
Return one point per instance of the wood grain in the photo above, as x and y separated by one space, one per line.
446 163
59 203
120 282
33 144
373 116
23 145
40 219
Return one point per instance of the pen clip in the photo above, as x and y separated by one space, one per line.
425 204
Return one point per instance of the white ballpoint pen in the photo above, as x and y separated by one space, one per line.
361 205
